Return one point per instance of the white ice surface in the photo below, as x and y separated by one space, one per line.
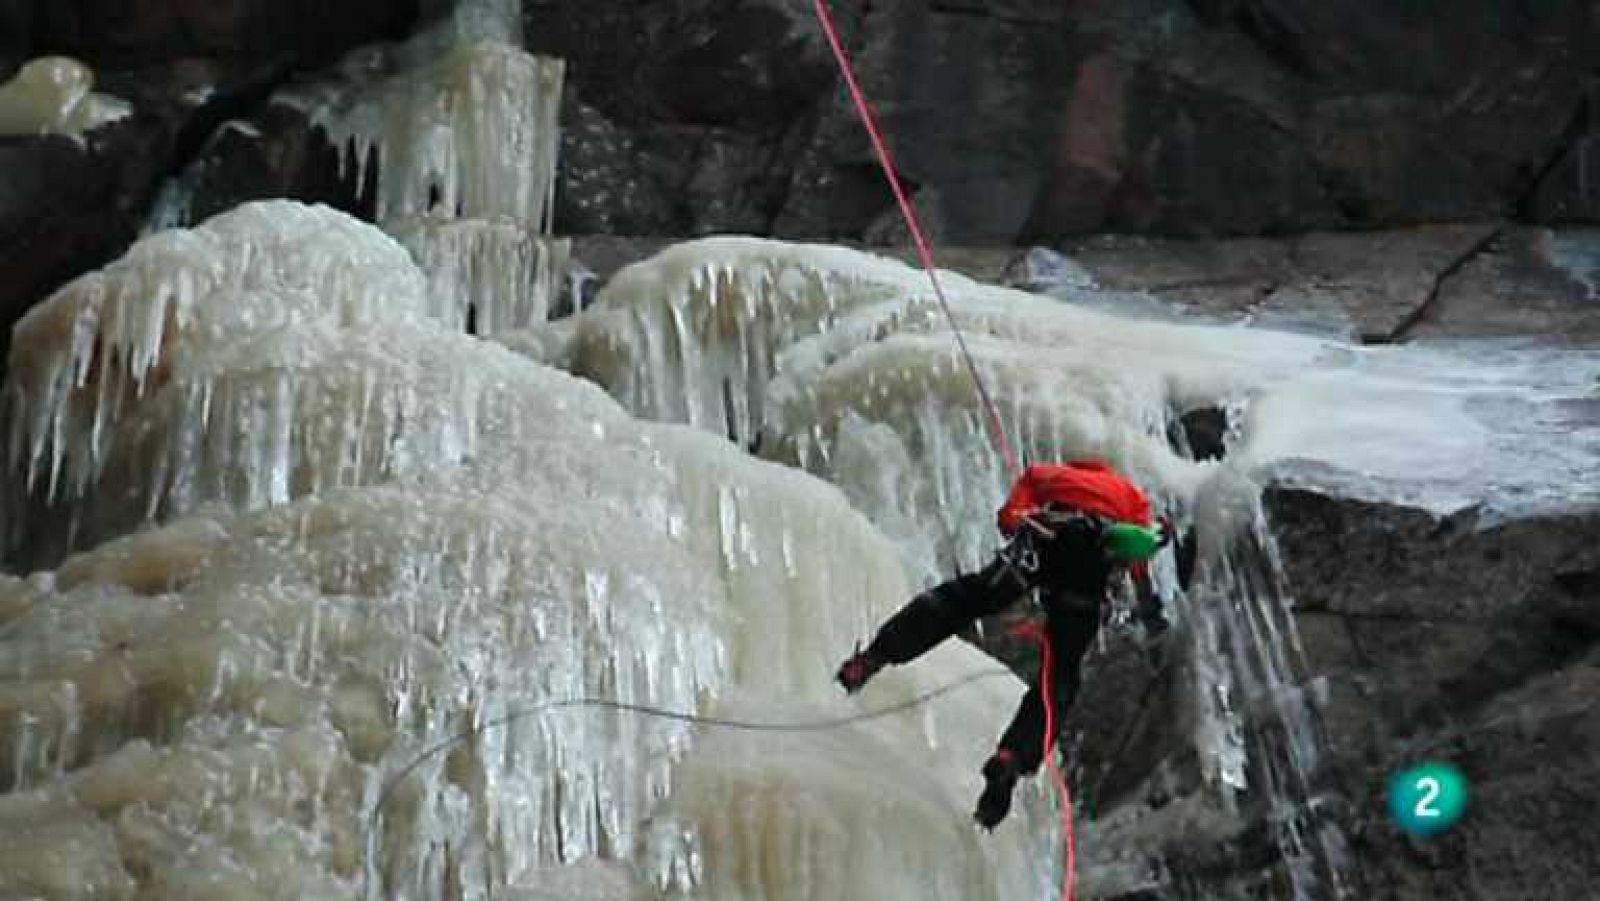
53 95
802 348
379 532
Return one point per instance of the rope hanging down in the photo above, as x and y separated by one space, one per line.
908 211
1047 664
997 430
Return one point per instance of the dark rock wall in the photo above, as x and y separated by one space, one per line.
1031 121
1424 638
119 35
1463 641
68 206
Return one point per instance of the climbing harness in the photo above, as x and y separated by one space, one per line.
992 415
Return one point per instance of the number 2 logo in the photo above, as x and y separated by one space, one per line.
1428 797
1429 787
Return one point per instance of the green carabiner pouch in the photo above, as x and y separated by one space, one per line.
1129 542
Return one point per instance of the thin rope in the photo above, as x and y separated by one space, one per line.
646 710
908 211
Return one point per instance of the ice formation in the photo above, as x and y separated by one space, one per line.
472 132
803 350
839 362
461 129
375 532
53 95
502 274
82 360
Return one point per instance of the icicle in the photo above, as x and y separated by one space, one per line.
104 347
496 273
472 133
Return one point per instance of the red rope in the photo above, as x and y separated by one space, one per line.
908 211
996 429
1046 674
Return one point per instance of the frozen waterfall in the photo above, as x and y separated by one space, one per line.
368 532
293 528
316 513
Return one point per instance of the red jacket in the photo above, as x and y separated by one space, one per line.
1089 485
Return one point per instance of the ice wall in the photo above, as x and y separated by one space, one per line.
839 362
81 361
458 130
463 129
799 349
53 95
376 532
473 133
493 275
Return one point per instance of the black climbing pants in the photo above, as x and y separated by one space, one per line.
935 615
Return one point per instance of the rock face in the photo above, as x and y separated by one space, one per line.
682 118
67 207
1164 116
1465 641
1013 122
1451 639
1445 281
276 152
129 36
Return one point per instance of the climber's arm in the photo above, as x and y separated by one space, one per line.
949 607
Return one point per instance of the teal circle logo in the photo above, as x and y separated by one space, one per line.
1427 798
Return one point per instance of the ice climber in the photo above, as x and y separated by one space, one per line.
1069 528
